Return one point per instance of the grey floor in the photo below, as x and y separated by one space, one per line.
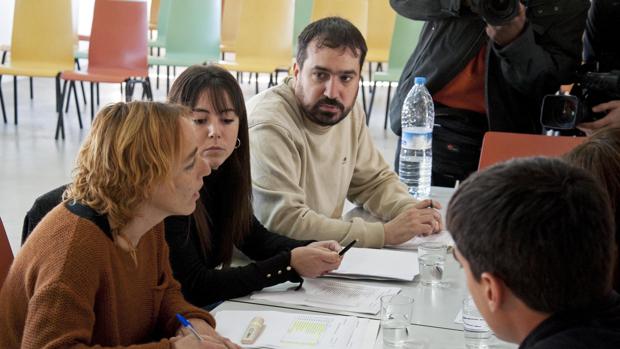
32 162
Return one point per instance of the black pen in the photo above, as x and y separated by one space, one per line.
347 247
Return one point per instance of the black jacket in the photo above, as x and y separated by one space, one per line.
601 41
598 327
202 283
544 56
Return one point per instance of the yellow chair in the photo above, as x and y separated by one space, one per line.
154 14
231 18
42 42
264 42
381 18
356 11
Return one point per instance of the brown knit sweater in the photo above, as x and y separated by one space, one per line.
71 286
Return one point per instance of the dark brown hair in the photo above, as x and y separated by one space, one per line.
230 187
600 155
332 32
540 225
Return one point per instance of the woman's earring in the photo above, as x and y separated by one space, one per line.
238 143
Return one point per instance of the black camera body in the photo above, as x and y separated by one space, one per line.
565 112
496 12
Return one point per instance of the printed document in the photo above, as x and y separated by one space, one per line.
330 294
296 330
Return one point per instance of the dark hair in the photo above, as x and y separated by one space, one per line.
230 187
332 32
542 226
600 155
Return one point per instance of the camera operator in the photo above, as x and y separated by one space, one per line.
602 49
487 71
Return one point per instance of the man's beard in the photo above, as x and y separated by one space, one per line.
325 118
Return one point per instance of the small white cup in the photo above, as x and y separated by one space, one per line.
431 259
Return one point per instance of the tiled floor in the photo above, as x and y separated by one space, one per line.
32 162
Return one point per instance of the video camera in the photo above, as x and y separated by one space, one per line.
496 12
563 112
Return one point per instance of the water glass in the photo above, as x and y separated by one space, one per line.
477 332
431 259
396 313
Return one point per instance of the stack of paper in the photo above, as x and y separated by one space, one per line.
330 294
295 330
443 237
368 263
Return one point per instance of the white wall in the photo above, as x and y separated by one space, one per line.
6 21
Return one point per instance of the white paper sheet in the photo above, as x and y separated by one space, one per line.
330 294
296 330
443 237
369 263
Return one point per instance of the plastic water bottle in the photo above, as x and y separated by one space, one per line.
416 152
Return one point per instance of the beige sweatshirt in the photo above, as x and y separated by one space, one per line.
303 172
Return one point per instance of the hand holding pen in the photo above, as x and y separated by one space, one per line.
316 259
196 340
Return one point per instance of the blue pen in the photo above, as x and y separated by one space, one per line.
189 326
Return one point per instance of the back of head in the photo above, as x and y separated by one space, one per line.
332 32
130 148
540 225
600 155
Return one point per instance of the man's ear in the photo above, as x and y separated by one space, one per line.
296 70
493 291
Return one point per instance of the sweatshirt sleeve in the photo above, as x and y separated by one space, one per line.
280 202
374 185
203 285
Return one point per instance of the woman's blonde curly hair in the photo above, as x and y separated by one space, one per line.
130 148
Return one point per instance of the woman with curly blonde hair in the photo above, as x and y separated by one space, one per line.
95 270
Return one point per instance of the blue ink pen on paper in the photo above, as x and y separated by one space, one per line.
188 325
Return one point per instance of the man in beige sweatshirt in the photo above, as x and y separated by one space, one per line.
311 150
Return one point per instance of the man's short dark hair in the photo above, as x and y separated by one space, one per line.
332 32
542 226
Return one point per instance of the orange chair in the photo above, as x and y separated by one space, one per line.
502 146
117 52
6 254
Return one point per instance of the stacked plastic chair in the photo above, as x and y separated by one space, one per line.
117 51
42 43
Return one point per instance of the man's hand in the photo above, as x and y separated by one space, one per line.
419 220
211 339
507 33
612 119
316 259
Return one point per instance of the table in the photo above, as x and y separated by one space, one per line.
424 336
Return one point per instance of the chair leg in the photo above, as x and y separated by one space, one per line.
369 76
363 95
15 99
77 64
92 102
60 97
372 101
387 106
148 89
2 102
167 79
256 83
97 86
31 90
77 105
68 99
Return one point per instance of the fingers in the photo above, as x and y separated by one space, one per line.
594 125
606 106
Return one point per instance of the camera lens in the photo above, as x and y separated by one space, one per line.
497 12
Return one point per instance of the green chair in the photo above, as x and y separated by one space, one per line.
404 40
193 35
303 12
162 24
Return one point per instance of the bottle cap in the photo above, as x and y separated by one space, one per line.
419 80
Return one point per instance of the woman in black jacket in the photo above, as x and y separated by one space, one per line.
201 245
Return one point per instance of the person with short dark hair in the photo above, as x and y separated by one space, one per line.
600 155
311 150
535 237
